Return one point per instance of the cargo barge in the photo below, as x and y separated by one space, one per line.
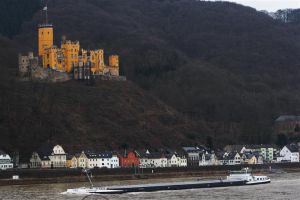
238 178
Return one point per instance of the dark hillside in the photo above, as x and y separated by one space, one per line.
14 12
229 65
108 115
8 59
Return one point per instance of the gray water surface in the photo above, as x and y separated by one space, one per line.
283 186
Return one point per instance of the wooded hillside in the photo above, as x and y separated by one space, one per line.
228 65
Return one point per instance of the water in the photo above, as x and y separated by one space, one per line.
283 186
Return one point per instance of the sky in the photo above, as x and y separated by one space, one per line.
269 5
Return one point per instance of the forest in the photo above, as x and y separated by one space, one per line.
13 13
227 68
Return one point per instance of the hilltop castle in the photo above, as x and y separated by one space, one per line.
68 60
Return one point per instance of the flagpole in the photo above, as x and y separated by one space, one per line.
46 14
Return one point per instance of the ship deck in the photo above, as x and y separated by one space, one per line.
177 185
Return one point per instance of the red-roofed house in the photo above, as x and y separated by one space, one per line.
129 160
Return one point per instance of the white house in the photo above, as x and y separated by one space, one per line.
114 161
266 151
230 159
289 153
58 157
208 159
35 160
47 157
175 160
150 160
82 160
193 154
102 160
5 161
183 162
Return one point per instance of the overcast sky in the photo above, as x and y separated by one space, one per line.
269 5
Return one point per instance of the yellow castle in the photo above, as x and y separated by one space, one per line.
69 55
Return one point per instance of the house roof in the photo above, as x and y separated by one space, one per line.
69 156
196 149
106 154
153 155
234 148
249 155
2 152
238 148
229 156
45 158
169 156
44 151
207 155
126 152
91 155
287 118
259 146
293 148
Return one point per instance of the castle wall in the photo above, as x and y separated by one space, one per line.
97 60
54 59
23 64
27 63
70 51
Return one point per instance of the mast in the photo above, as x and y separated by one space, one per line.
87 174
46 14
45 9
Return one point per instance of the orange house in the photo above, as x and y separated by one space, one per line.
129 160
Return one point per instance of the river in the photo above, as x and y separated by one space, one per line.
282 186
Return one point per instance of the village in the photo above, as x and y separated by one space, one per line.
51 157
56 157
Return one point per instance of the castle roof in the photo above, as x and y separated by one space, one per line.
45 25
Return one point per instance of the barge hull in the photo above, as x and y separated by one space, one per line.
177 186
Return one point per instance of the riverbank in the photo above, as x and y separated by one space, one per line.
46 176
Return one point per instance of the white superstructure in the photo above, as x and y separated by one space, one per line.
5 161
245 174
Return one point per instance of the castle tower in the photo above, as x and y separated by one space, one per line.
113 61
45 37
45 34
23 64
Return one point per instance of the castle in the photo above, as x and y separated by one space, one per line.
68 58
